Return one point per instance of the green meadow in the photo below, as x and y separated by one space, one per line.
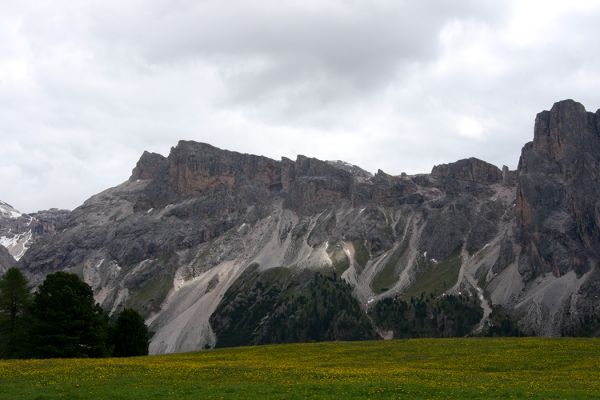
475 368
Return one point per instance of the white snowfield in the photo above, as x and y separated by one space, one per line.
18 244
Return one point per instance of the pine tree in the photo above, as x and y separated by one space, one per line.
130 337
67 323
15 301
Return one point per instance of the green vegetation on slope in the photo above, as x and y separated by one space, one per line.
361 255
434 277
391 270
339 259
530 368
428 316
147 293
281 305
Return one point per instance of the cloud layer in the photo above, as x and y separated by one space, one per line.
86 87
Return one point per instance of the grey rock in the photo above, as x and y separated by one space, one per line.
557 201
468 170
6 260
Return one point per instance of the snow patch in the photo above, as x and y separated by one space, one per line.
7 211
17 245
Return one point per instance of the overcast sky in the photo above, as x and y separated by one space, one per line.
87 86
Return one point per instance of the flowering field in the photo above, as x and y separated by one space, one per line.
429 368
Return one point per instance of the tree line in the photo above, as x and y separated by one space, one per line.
428 315
61 319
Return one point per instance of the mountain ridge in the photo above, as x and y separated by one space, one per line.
173 240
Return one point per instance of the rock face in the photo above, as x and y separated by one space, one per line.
558 201
469 170
6 260
194 239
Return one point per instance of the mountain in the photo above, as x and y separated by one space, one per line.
220 248
18 231
15 232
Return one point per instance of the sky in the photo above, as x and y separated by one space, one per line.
87 86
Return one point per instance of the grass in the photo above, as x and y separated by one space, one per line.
391 270
425 368
361 255
433 277
149 296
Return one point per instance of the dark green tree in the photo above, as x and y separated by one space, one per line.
15 301
428 316
67 322
501 323
130 335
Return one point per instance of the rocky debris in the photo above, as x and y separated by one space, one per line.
509 178
506 255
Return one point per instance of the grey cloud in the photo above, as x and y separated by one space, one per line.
311 54
85 87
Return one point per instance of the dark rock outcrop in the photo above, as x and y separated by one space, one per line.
47 222
149 166
470 169
558 198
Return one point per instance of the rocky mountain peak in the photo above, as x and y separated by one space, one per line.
149 166
357 172
557 200
469 169
566 131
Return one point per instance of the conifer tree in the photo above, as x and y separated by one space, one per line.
130 336
67 322
15 301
